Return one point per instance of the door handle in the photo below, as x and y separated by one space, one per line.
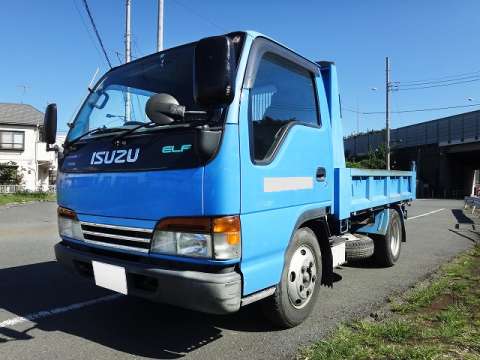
321 174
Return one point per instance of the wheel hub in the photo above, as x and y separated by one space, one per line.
302 276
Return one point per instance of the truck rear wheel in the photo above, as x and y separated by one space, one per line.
388 246
297 291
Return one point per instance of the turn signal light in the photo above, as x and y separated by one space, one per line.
68 224
61 211
230 226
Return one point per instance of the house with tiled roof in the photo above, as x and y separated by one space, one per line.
20 144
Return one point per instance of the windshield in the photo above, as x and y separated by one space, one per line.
118 101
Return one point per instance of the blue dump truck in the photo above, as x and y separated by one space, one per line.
212 175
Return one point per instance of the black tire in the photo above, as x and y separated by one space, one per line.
384 255
359 249
278 308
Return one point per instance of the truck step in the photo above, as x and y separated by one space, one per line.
337 244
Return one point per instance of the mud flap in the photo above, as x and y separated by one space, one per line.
328 276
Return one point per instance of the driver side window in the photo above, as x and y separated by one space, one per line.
283 92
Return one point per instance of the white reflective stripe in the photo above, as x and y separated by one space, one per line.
274 184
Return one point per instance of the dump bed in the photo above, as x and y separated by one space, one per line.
362 189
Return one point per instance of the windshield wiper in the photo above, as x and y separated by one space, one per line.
152 125
129 131
99 130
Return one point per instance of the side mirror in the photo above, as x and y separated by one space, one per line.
214 71
50 125
163 109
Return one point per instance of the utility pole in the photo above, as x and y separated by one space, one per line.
127 54
128 35
358 117
160 26
387 111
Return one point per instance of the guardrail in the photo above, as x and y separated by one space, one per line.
472 202
10 189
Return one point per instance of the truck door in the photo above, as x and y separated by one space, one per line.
286 161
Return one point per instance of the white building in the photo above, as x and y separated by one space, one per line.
20 126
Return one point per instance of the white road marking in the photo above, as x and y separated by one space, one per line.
426 214
60 310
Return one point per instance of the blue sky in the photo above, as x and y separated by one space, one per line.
49 46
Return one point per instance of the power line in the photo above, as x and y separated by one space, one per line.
399 83
96 32
410 110
136 47
200 16
117 53
438 79
86 28
122 54
394 107
400 88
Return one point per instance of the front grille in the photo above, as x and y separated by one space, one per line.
119 237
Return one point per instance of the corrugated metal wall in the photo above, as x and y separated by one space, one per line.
450 130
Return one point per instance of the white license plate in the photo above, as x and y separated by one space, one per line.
110 277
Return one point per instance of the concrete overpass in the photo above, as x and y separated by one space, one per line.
446 151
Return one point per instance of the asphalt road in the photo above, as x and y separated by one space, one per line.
33 284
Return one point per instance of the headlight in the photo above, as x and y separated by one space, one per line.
182 243
68 224
217 238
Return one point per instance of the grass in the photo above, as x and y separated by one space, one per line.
26 196
438 320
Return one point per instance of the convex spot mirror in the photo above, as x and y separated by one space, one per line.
214 71
164 109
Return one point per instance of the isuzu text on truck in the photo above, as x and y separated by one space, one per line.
212 175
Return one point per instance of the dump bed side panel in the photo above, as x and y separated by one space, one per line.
361 189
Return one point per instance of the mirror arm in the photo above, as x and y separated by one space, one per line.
52 147
177 111
195 112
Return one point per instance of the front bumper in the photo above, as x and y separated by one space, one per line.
216 293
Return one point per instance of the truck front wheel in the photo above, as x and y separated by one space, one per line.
388 246
297 291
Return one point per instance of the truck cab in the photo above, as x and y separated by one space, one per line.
212 175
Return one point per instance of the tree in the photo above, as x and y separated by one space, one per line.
9 174
374 160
